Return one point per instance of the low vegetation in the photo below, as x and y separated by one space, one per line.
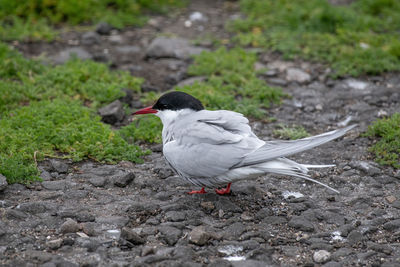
50 111
386 132
290 132
231 83
360 38
36 19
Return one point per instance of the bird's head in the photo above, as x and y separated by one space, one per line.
172 101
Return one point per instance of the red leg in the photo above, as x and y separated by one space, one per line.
201 191
224 191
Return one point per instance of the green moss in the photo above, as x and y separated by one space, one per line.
387 135
32 19
231 83
145 128
290 132
48 111
356 39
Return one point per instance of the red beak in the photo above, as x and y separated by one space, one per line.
145 111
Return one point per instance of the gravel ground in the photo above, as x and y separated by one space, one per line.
89 214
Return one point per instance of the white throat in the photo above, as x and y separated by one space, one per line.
169 116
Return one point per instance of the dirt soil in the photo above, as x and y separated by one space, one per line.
89 214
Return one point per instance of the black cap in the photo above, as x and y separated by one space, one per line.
176 101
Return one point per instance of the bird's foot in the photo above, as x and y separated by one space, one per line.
224 191
201 191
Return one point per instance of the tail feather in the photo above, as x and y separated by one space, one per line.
277 149
288 167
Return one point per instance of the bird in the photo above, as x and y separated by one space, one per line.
211 149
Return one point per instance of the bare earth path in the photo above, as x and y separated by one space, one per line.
89 214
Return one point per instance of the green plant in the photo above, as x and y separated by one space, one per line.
292 133
231 82
387 146
50 111
360 38
34 19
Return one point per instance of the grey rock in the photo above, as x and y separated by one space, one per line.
116 39
367 167
175 77
69 226
301 223
45 175
332 264
297 75
69 53
89 228
103 28
98 181
356 84
163 47
199 236
90 38
384 248
321 256
175 216
249 263
90 244
354 237
170 234
36 207
3 182
54 185
39 256
227 206
54 244
131 236
190 81
112 113
392 225
128 49
59 166
341 253
124 179
233 231
13 214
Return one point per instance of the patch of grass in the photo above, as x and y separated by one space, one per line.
231 83
387 147
145 128
290 132
356 39
30 19
48 111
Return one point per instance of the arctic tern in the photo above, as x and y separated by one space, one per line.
215 148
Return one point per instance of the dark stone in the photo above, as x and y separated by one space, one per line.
90 38
354 237
131 236
104 28
227 206
36 207
175 216
301 223
128 97
3 182
54 185
89 243
69 226
392 225
112 113
69 53
199 236
58 166
170 234
98 181
163 47
124 179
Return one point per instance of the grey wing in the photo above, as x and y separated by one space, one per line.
209 143
276 149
